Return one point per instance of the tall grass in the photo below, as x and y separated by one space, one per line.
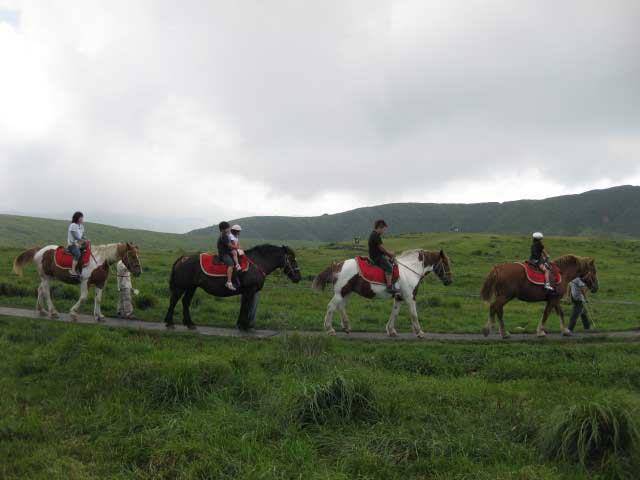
591 433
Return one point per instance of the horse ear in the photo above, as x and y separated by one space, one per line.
421 255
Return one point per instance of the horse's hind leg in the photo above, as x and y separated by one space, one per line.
40 302
503 330
186 312
84 292
492 318
97 312
173 301
46 290
343 313
332 306
540 332
391 324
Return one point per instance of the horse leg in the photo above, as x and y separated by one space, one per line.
343 313
540 332
175 297
40 302
503 330
248 309
332 306
563 328
391 324
492 318
84 291
186 312
413 310
46 289
97 313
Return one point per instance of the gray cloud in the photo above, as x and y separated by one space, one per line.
306 107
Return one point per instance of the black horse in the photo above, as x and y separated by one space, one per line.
187 276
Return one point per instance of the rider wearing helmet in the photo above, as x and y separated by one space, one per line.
225 249
235 240
540 258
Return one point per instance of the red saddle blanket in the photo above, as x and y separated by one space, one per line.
537 277
211 266
64 260
372 273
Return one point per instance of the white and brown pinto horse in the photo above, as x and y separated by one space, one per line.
413 266
95 273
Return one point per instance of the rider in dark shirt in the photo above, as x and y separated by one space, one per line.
540 258
224 252
380 255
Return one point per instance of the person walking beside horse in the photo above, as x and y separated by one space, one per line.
578 295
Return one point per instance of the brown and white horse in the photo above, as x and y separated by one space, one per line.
95 273
413 266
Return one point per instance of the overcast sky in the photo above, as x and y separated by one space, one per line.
174 115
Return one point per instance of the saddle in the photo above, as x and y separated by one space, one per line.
373 273
536 276
211 265
64 259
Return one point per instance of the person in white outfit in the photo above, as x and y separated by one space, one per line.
125 305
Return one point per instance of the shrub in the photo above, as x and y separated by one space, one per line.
339 399
590 433
9 290
434 301
145 301
476 253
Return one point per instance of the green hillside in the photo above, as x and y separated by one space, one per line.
19 231
613 211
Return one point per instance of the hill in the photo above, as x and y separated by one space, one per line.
612 211
20 231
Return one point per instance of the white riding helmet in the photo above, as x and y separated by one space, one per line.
236 228
538 236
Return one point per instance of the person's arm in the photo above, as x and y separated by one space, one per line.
74 233
385 251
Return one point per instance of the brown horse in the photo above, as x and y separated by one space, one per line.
509 280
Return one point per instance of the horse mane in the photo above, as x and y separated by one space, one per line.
581 263
407 253
268 249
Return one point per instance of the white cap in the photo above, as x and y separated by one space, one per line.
538 235
237 228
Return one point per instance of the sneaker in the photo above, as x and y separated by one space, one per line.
238 267
230 286
73 273
391 289
548 286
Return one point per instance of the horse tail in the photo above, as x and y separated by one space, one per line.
21 260
489 286
172 277
328 275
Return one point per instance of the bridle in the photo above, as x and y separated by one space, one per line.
126 259
288 266
444 271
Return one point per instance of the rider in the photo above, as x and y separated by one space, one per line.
540 258
76 242
237 249
379 255
225 249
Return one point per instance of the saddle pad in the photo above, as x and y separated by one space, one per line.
211 266
64 260
536 277
373 273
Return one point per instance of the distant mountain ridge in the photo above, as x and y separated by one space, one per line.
611 211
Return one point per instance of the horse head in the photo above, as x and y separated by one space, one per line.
290 265
589 274
443 269
131 259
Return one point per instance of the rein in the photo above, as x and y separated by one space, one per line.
256 265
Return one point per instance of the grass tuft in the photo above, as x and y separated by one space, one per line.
340 399
590 433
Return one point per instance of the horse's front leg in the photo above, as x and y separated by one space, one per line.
332 306
413 309
84 291
346 328
391 324
97 313
540 332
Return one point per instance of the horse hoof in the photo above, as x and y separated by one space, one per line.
392 333
99 318
170 326
486 331
506 336
331 333
56 315
420 334
541 334
346 330
191 327
42 313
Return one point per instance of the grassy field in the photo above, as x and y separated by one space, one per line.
456 308
85 402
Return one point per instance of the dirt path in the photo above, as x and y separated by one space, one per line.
232 332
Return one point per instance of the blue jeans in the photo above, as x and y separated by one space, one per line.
578 311
75 251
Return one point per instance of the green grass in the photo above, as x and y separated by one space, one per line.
82 402
442 309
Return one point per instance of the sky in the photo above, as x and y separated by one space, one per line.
175 115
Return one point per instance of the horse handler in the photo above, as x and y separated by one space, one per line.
125 306
578 295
